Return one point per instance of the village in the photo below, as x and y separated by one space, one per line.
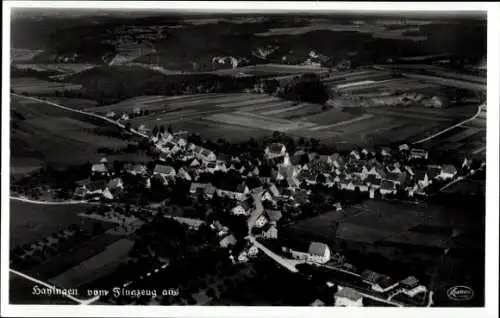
253 197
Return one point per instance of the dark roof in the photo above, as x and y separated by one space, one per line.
410 282
253 182
433 171
371 179
387 185
371 276
274 215
385 281
114 182
393 176
276 147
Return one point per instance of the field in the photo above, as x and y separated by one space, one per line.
64 68
237 116
30 222
43 134
76 103
376 223
95 267
466 139
30 85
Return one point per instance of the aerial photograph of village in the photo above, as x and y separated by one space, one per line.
235 159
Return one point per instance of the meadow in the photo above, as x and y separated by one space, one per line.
30 85
43 134
30 222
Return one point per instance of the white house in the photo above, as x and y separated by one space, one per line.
416 153
355 154
275 150
448 172
386 152
99 168
404 147
316 253
348 297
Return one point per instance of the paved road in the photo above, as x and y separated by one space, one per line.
69 202
287 263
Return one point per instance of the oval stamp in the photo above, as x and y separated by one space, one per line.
460 293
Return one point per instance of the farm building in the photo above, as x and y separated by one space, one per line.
416 153
313 252
380 283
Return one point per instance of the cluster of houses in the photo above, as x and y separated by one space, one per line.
360 170
350 297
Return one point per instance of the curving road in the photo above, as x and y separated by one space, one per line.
48 202
479 109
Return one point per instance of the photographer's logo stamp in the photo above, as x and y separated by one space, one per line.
460 293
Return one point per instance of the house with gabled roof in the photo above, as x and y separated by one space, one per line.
404 147
355 154
243 207
233 190
387 187
417 153
275 150
136 169
337 161
447 172
165 171
183 174
99 169
422 179
204 154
